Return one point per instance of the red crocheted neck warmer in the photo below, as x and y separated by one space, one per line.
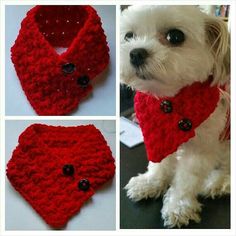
56 169
55 83
168 122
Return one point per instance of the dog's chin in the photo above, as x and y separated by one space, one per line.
141 75
141 82
147 83
150 77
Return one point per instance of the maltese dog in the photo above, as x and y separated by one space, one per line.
177 58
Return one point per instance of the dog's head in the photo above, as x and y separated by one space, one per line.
164 48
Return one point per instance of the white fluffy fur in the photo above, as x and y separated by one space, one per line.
202 165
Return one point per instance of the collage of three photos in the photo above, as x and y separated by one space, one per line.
96 144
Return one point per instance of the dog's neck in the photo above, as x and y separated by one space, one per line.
162 90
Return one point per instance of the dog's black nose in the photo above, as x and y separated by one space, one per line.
138 56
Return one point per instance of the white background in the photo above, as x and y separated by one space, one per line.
102 100
98 213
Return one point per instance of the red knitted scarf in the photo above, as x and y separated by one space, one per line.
56 169
168 122
55 84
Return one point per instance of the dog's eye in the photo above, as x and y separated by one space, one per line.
175 37
129 35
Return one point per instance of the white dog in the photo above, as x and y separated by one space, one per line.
164 49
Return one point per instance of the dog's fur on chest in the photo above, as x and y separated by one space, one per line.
163 49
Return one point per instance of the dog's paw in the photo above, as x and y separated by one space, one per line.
216 186
177 213
142 187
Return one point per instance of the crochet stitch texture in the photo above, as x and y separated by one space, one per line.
162 135
49 89
36 169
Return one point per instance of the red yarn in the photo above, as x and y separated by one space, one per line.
49 90
36 168
162 135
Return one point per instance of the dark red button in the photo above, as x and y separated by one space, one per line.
185 124
68 170
83 81
68 68
83 184
166 106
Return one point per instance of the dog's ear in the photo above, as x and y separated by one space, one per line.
218 40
